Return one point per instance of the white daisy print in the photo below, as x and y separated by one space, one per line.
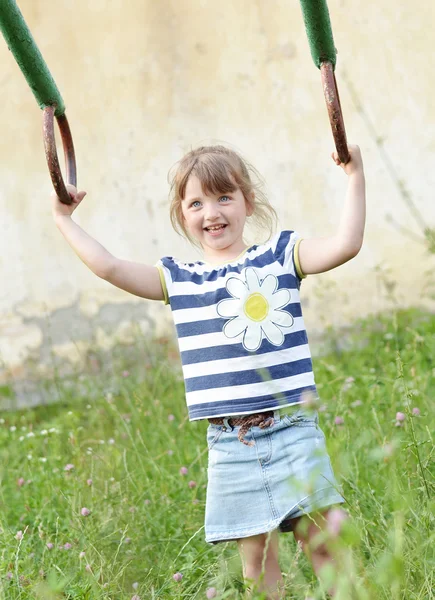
254 309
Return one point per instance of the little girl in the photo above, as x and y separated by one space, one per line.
244 349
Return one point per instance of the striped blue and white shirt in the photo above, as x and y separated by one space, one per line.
241 334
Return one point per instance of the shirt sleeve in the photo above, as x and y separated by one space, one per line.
287 252
296 261
165 278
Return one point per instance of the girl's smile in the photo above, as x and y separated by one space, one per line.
215 229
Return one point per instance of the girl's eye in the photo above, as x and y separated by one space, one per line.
224 198
196 204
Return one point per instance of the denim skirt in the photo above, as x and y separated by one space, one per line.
255 489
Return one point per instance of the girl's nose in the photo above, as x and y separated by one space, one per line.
211 211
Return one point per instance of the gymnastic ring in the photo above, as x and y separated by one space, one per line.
51 153
332 98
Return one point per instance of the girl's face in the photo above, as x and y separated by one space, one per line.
215 221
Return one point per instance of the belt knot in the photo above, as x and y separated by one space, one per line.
262 420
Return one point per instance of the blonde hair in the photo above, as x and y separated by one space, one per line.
217 168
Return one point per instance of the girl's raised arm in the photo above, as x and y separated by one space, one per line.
138 279
317 255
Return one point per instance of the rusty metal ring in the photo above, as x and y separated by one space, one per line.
334 110
51 153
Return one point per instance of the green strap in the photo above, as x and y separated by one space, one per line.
29 59
319 32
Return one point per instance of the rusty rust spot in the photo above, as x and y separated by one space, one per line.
51 153
332 99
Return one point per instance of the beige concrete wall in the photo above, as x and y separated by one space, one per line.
144 81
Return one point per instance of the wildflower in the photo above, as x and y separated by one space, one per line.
211 593
29 457
147 502
127 540
43 459
67 546
53 430
30 434
170 452
336 518
388 449
339 421
9 575
68 467
89 482
19 535
195 501
21 481
135 597
13 428
356 403
85 512
135 585
183 471
416 411
177 576
21 438
310 401
50 546
400 416
125 373
41 573
2 421
111 441
132 509
348 383
82 555
88 568
88 406
69 412
44 432
171 418
323 408
192 484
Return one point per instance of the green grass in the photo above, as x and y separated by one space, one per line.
146 522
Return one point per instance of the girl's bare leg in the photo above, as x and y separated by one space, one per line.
319 554
259 555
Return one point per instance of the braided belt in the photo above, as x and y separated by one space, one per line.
262 420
